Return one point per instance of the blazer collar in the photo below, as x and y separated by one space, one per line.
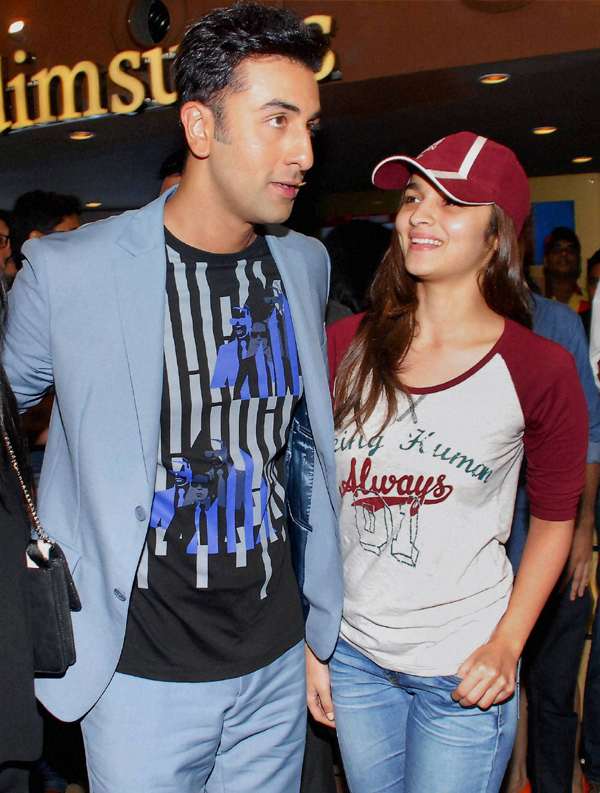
145 230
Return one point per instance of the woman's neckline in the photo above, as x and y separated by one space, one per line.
432 389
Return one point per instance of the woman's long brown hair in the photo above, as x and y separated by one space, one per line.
372 366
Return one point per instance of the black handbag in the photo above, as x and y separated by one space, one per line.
52 596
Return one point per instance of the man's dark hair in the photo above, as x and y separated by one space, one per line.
214 47
562 233
6 216
39 211
173 165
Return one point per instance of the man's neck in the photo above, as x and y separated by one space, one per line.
192 218
563 289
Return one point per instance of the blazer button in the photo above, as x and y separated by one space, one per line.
119 594
140 513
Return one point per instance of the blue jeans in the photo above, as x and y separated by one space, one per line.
404 733
242 734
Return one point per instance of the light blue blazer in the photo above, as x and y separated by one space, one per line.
87 314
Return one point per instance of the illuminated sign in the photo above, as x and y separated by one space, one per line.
87 90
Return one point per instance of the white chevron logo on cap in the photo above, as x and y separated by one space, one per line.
467 163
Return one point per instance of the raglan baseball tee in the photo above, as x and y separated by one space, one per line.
426 505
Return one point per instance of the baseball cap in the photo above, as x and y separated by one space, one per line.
469 169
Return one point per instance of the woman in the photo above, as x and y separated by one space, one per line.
20 724
439 388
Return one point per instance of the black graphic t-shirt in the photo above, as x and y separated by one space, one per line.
215 595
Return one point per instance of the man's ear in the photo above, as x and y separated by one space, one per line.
198 124
35 235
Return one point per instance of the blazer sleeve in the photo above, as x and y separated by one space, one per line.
27 353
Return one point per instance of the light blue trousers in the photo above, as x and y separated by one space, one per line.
242 734
401 733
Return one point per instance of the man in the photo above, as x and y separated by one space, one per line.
553 652
241 362
189 673
593 274
7 262
562 268
171 170
37 213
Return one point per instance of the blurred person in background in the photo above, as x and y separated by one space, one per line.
356 250
562 269
35 215
553 652
20 724
593 274
38 213
590 734
172 168
7 262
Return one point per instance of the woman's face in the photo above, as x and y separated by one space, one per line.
441 240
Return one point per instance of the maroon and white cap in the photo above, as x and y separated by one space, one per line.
469 169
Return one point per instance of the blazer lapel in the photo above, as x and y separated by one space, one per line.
304 301
140 276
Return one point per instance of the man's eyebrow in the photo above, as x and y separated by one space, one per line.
280 103
413 186
283 105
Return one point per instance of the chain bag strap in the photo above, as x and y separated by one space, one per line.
30 505
51 592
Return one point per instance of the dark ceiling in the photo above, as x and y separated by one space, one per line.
364 122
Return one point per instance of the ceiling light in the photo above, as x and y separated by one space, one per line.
582 159
544 130
94 204
81 135
493 79
16 27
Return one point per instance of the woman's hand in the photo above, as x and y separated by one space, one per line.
489 676
318 689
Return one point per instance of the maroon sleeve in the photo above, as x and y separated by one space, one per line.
556 423
339 336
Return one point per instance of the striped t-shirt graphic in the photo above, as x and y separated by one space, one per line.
215 594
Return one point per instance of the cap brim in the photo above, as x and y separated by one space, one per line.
393 173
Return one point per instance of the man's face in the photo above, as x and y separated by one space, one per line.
562 259
7 265
593 280
241 323
201 493
263 146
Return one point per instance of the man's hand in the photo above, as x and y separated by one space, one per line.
318 689
579 563
489 676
